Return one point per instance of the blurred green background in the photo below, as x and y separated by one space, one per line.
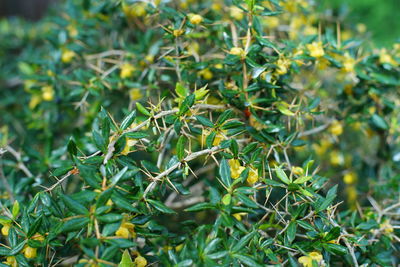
381 17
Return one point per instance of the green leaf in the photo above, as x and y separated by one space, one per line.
74 205
15 209
160 206
180 90
115 179
333 234
282 175
302 179
225 172
335 249
204 121
248 261
142 109
379 122
186 104
71 147
180 147
128 120
200 207
291 231
243 241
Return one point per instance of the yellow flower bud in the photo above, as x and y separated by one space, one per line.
47 93
253 176
307 261
236 13
140 261
30 252
135 94
350 178
235 167
126 230
5 229
67 56
336 128
206 74
386 227
11 261
178 32
237 51
195 19
122 232
348 63
315 49
126 70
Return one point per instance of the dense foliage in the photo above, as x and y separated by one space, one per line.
197 133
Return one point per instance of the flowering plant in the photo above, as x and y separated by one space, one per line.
197 133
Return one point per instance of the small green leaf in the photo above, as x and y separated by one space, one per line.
126 260
74 205
115 179
128 120
302 179
180 147
160 206
15 209
282 175
142 109
225 172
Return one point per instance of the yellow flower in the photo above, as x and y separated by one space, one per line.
253 176
238 216
237 51
315 49
236 168
5 229
348 63
138 10
361 28
130 142
336 128
140 261
30 252
179 247
336 158
195 19
11 261
38 237
307 261
271 22
127 70
47 93
126 230
282 66
236 13
386 58
135 94
322 147
386 227
178 32
206 74
67 56
297 170
72 31
351 193
220 136
350 178
193 48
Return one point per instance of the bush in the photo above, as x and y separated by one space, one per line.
197 133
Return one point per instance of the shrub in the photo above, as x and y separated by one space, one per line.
197 133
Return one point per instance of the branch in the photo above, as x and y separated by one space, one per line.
190 157
111 145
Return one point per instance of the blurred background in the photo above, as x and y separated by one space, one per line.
380 16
